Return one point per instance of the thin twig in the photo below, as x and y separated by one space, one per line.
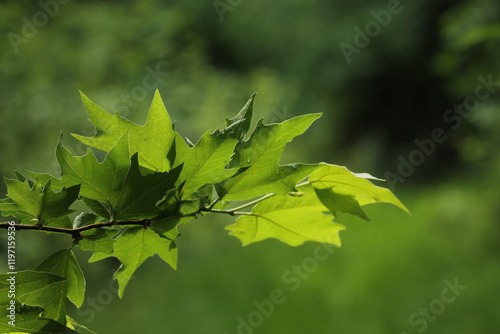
252 203
76 233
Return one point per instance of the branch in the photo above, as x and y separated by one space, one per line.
77 232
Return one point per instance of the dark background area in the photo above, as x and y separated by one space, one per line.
396 89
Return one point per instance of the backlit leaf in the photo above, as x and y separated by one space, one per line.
259 159
290 219
136 245
153 139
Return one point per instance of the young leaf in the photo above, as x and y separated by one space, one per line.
25 200
206 162
76 326
238 126
56 205
260 156
99 181
167 227
63 263
36 288
29 201
136 245
341 190
153 140
28 321
290 219
98 241
84 219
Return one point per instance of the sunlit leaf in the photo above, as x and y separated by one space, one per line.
290 219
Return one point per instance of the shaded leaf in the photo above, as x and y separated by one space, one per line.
238 126
115 188
76 326
341 190
30 202
56 205
42 289
98 241
63 263
29 321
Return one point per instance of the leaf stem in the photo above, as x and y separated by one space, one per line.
303 184
252 202
228 212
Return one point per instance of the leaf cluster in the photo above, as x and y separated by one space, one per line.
150 181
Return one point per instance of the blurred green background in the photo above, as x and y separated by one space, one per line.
395 85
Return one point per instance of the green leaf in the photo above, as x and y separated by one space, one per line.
206 162
56 205
98 241
259 157
99 181
42 289
290 219
136 245
341 190
63 263
153 140
26 200
140 193
76 326
84 219
167 227
238 126
29 321
29 201
115 188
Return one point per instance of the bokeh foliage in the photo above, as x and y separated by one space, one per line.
395 91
